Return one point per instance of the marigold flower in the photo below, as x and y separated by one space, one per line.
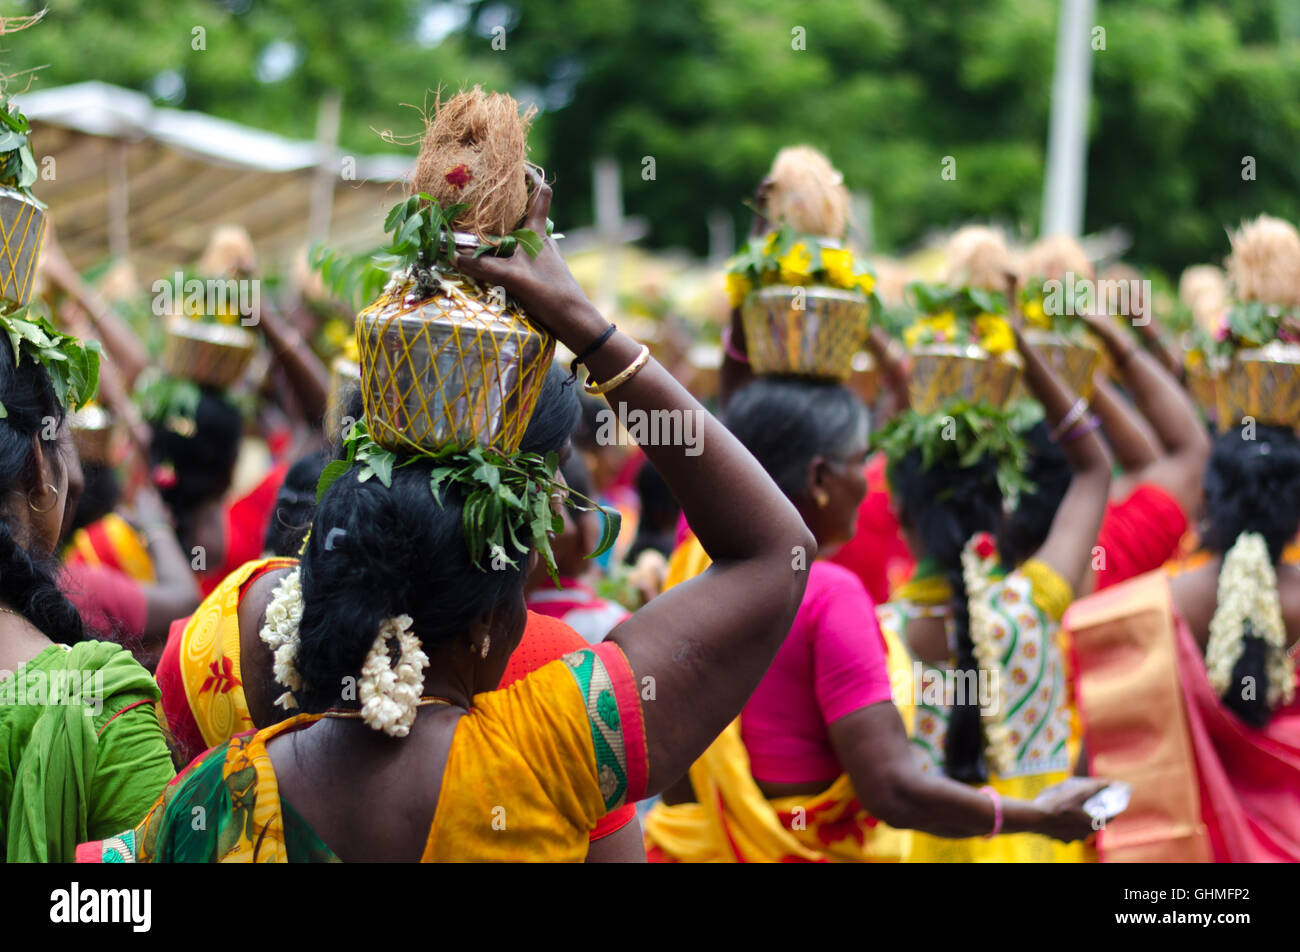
795 264
738 287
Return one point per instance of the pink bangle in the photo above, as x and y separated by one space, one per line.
997 811
730 348
1072 416
1081 430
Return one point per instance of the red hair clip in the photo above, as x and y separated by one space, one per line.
164 476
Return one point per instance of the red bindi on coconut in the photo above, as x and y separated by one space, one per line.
459 176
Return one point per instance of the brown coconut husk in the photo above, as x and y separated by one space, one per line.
475 151
229 253
978 257
1049 259
1265 262
1204 289
806 192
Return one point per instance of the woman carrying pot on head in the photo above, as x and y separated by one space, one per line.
81 750
527 772
1212 649
225 634
982 618
819 761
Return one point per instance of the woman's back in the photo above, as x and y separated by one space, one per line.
525 775
81 750
832 663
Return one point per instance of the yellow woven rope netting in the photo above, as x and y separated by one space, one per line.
451 371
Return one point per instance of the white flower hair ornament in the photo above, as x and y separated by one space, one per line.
1248 592
280 634
390 692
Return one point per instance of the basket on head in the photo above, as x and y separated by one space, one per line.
805 331
1262 383
22 231
1202 383
1075 362
459 369
941 372
214 355
92 434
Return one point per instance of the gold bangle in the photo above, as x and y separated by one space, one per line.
623 377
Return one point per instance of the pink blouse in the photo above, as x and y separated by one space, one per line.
832 663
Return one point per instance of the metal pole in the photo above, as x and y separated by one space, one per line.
1067 142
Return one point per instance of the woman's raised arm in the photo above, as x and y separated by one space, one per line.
1068 546
699 650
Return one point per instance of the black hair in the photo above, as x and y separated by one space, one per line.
1024 530
99 497
576 475
28 581
590 411
376 552
294 505
946 506
786 421
555 417
1252 485
202 456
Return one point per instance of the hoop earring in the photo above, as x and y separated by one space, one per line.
54 489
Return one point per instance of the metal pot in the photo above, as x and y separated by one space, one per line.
215 355
22 231
457 369
1262 383
941 372
806 331
1075 362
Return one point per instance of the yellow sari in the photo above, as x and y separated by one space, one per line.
200 675
531 770
112 543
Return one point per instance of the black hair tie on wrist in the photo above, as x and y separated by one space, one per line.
596 345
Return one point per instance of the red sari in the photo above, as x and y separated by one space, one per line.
1207 786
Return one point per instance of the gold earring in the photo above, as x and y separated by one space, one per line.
487 644
52 488
820 497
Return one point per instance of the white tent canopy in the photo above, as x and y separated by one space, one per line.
123 177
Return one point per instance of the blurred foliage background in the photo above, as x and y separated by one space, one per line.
1183 92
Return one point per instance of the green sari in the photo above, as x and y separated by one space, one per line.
82 753
233 789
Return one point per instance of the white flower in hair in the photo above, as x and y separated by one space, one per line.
390 693
1248 590
280 634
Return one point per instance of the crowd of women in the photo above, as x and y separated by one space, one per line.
336 676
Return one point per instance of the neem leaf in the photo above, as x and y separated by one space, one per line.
436 479
396 217
611 523
528 240
27 177
328 475
381 462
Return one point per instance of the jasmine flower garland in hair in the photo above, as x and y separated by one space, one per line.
507 510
